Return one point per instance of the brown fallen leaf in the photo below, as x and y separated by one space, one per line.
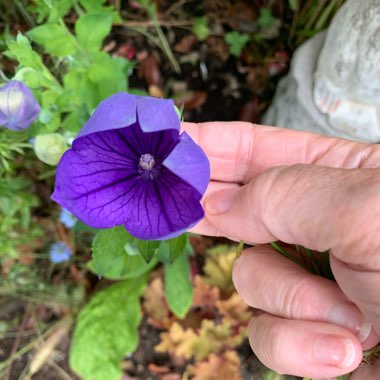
149 70
47 347
191 99
185 44
215 367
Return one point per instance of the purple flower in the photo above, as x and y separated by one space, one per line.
18 107
59 252
130 166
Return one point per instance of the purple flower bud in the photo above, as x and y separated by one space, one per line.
18 107
129 165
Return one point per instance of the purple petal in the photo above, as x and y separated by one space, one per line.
163 208
94 178
156 114
188 161
117 111
18 107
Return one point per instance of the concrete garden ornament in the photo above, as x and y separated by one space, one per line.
333 86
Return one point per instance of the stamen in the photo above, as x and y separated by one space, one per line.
147 162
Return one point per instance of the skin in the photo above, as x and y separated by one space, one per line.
323 193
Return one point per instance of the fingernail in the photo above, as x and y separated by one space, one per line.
349 317
334 350
220 202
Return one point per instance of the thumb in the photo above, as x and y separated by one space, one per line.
318 207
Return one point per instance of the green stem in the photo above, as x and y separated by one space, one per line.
281 250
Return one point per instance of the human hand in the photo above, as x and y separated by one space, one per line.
323 193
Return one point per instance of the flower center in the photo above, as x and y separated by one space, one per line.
147 162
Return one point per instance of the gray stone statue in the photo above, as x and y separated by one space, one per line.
333 86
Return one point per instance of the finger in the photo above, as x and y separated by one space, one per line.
303 348
364 291
204 227
238 151
270 282
317 207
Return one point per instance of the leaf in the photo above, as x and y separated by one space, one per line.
169 250
21 50
224 366
147 248
53 9
200 28
266 18
107 330
55 38
91 29
235 310
178 287
112 260
218 268
212 337
155 305
236 42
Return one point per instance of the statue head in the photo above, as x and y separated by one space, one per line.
347 78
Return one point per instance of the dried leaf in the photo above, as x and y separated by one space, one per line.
205 296
155 305
48 346
149 70
225 366
210 338
235 310
185 44
218 270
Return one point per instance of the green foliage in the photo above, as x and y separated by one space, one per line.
55 38
51 10
178 286
107 330
236 42
170 249
91 29
200 28
117 254
16 203
266 18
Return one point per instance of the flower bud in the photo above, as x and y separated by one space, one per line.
18 107
49 148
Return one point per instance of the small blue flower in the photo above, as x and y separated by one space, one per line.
59 252
67 218
18 107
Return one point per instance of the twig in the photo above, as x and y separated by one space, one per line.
16 344
33 343
175 6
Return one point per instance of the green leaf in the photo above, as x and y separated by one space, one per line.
266 18
200 28
108 248
178 286
107 330
169 250
55 38
293 4
91 29
112 258
21 50
236 42
147 248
